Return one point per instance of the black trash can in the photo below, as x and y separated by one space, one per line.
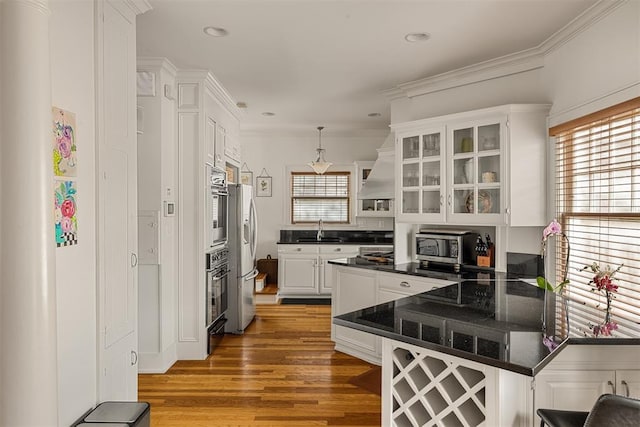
118 414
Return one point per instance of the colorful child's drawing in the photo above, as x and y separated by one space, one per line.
65 213
64 143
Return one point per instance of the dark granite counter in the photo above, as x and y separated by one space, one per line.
333 237
485 317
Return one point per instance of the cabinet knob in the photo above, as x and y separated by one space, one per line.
441 199
298 249
405 284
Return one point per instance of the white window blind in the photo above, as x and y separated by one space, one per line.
315 197
598 206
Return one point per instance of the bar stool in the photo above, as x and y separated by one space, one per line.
610 410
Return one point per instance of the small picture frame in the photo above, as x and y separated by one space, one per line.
246 178
263 186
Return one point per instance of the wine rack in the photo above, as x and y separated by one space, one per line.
433 389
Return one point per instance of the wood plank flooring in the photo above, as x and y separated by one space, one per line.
282 372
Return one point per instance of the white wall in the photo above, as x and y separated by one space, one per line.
275 152
73 89
597 68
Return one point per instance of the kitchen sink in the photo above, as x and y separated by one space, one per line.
323 240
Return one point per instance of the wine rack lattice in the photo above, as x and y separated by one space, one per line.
432 391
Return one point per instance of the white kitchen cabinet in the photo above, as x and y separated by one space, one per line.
468 168
357 288
370 207
221 138
202 108
354 289
393 286
578 376
303 269
116 124
232 148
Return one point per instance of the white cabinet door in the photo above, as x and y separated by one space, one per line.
420 175
210 140
572 390
117 204
327 253
628 383
354 289
298 274
221 135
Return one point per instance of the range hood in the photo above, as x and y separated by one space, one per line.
380 183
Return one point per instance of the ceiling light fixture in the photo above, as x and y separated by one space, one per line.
241 104
320 166
417 37
215 31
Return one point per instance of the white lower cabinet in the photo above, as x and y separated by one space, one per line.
356 288
303 270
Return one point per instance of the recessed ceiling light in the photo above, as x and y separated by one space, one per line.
374 114
417 37
268 114
241 104
215 31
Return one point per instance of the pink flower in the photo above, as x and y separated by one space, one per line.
605 329
66 224
68 209
552 229
64 146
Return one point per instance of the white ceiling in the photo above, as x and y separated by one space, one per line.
322 62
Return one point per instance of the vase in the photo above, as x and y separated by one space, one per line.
468 171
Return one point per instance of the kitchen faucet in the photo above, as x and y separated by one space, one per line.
319 235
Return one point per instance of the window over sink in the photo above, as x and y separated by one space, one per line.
325 197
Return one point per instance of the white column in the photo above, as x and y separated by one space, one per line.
28 361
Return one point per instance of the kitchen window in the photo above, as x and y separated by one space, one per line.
598 206
320 197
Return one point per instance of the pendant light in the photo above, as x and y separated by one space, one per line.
320 166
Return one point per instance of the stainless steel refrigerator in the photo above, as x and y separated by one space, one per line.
243 239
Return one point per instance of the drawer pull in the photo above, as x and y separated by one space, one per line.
613 387
405 284
298 249
626 388
337 249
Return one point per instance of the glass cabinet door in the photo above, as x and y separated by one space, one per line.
421 173
476 160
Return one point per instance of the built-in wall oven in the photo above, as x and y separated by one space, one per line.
216 193
217 285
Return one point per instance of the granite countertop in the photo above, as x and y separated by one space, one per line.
486 317
337 237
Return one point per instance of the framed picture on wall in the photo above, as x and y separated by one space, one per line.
246 178
263 186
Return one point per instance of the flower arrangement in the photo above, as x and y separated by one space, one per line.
603 282
553 229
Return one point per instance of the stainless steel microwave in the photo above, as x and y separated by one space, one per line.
446 246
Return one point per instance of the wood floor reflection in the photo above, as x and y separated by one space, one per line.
282 372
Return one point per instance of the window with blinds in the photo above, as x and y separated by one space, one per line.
315 197
598 206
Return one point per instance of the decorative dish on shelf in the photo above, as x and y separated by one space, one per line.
485 203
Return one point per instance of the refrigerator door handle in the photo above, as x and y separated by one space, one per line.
251 275
253 218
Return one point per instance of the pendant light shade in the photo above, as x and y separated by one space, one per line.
320 165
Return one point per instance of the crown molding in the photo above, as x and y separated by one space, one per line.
218 91
156 63
299 131
519 62
138 6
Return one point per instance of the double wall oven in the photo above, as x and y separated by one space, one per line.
217 286
217 254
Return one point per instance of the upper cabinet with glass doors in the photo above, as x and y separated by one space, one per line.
474 168
419 191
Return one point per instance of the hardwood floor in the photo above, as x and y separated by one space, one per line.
282 372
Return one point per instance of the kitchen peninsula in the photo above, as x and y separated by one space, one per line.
471 350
